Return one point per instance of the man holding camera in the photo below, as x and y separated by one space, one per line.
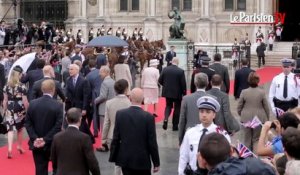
288 119
284 89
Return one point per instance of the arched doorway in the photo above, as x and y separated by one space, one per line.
35 11
291 28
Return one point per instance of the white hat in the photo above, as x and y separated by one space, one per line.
153 62
208 102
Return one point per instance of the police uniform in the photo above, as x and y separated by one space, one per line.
118 32
102 31
124 34
277 97
190 143
91 34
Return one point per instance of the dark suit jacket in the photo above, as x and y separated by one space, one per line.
2 81
169 57
189 113
173 81
77 96
260 50
101 60
208 71
134 139
72 153
37 92
31 77
95 83
43 119
223 72
241 80
224 117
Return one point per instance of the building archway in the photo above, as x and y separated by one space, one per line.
291 27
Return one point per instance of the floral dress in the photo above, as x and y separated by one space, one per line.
15 113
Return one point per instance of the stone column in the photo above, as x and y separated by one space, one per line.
152 8
205 8
83 8
101 8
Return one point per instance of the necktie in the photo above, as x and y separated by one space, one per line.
74 82
204 130
285 88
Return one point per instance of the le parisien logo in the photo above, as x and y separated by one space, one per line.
260 18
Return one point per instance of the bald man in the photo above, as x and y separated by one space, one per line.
43 120
138 138
78 94
48 73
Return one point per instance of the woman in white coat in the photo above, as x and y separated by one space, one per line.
149 84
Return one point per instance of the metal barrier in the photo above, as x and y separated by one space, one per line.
226 52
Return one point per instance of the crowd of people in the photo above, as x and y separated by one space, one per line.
64 92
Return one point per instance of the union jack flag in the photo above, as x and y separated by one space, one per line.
244 152
254 123
279 111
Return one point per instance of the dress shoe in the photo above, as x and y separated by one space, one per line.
9 155
21 150
175 128
165 125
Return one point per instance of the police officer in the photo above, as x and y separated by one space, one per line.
135 34
284 89
204 69
102 30
124 34
91 34
208 106
118 32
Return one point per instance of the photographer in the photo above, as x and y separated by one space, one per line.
286 120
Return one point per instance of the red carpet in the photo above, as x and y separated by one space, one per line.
23 164
266 75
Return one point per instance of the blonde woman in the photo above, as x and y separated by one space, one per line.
15 104
149 84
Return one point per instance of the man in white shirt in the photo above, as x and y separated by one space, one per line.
285 89
208 106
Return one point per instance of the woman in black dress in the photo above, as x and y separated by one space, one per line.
15 104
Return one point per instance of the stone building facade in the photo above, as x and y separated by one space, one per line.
206 21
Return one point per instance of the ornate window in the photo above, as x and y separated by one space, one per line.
183 5
241 5
232 5
129 5
228 5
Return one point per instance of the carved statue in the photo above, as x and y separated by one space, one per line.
177 28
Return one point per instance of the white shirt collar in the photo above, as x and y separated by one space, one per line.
48 95
203 90
216 87
76 77
74 126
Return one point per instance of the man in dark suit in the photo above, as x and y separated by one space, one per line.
101 58
260 50
33 75
189 112
78 93
222 71
224 116
42 129
241 78
95 83
170 55
77 150
2 82
134 140
173 81
48 73
204 69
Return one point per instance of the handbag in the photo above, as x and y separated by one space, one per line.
3 128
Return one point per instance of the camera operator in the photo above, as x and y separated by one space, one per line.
286 120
